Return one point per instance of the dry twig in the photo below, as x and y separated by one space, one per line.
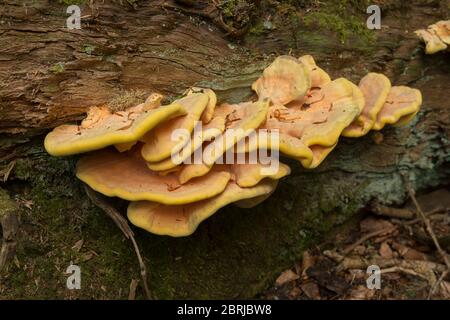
367 237
120 221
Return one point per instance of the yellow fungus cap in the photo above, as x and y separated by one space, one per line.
402 103
180 221
249 175
285 80
319 77
213 129
375 88
159 143
125 175
442 30
208 113
103 128
436 36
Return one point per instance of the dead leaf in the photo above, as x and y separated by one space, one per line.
87 256
435 200
326 277
286 276
77 246
386 251
295 293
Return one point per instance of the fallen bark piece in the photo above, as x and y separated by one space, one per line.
242 119
309 130
319 77
285 277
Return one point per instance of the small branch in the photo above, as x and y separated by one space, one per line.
120 221
436 285
427 214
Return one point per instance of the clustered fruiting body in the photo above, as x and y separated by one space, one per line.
436 36
130 151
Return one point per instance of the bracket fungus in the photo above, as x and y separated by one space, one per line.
315 122
131 151
103 128
208 113
158 143
243 119
248 175
209 131
401 105
436 36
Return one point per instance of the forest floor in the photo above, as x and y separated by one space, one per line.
395 239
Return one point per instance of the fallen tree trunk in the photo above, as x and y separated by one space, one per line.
50 75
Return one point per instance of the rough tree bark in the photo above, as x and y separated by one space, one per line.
50 75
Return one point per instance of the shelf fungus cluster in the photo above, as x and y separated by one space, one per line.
436 36
180 163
